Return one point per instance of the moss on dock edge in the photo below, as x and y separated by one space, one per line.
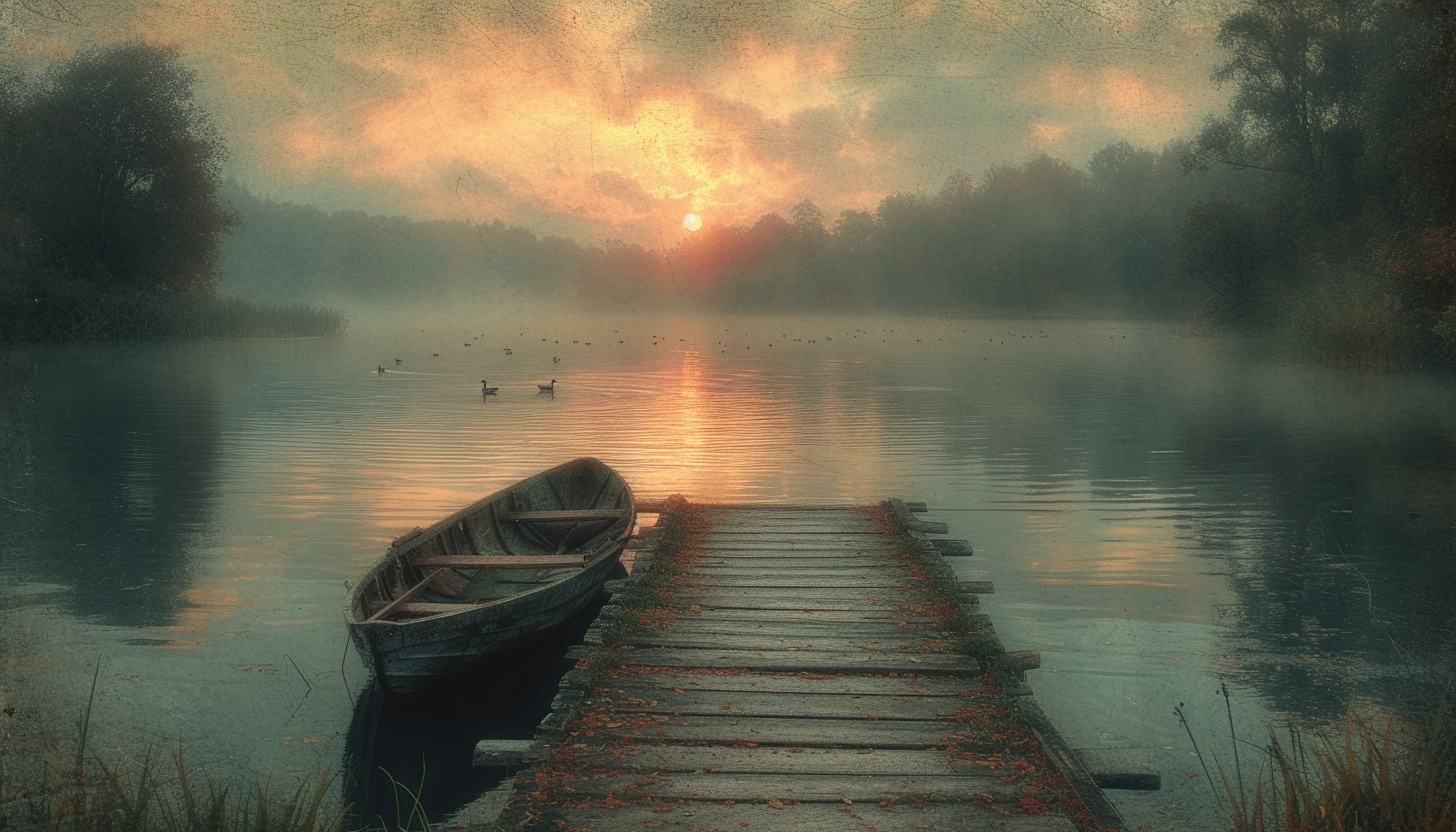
1012 722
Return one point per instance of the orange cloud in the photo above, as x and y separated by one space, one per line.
1145 111
42 47
732 141
1049 134
250 77
301 148
1066 83
190 25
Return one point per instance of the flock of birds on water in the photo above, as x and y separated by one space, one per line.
550 388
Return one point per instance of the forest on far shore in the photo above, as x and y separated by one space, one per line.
1037 238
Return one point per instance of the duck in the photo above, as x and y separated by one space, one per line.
555 360
547 388
508 350
486 389
380 369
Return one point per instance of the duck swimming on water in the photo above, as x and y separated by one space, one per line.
486 389
547 388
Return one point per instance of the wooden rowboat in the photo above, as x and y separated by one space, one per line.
492 576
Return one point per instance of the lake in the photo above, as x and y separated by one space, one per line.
1161 515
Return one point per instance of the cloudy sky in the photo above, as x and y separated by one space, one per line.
602 120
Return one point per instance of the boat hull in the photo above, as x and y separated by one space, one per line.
449 598
415 655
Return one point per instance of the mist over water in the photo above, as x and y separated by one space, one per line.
1160 514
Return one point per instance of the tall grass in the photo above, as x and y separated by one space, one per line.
145 795
1365 777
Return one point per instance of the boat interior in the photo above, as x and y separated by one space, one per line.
538 532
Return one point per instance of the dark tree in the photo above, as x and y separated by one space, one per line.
1299 68
117 170
1228 247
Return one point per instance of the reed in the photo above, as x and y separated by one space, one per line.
144 795
1365 777
404 821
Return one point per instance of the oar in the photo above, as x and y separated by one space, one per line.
409 593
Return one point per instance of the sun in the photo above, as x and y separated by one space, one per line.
692 222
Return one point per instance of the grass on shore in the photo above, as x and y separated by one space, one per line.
144 795
1368 777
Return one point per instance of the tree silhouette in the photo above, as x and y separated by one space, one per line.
117 170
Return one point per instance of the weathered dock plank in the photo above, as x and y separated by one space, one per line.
761 579
776 760
806 788
787 732
763 641
821 572
774 543
790 628
816 560
847 595
810 817
645 684
876 613
747 601
778 704
801 661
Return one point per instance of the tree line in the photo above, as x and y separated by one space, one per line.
1037 238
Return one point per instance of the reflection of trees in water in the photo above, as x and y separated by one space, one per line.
1302 507
1340 592
121 447
18 462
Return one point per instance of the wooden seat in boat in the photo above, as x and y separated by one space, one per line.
568 516
429 608
497 561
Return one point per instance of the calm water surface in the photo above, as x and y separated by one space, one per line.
1160 515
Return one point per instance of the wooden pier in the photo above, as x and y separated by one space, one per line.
799 668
